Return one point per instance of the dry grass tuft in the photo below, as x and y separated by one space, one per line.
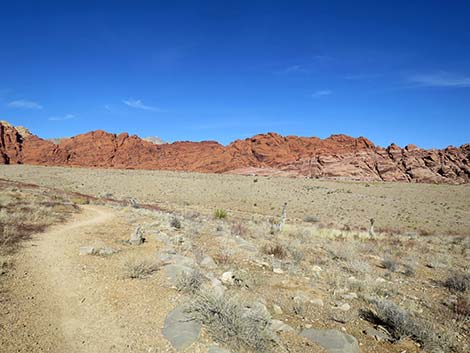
232 322
276 250
401 324
139 269
29 211
190 282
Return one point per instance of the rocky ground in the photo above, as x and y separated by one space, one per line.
125 276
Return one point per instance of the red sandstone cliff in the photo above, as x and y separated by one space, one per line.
338 156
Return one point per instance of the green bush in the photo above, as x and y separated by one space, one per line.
220 214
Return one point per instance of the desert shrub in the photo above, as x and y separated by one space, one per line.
409 270
220 214
238 229
190 281
461 308
231 322
296 254
311 219
175 223
358 266
80 201
457 282
138 269
276 250
400 323
390 264
223 256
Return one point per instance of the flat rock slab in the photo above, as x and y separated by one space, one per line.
174 272
173 258
333 340
180 329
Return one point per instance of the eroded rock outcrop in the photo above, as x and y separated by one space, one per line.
338 156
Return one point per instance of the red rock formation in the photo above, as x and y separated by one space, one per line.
338 156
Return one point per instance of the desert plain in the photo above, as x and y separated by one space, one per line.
96 260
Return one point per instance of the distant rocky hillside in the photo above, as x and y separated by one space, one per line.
338 156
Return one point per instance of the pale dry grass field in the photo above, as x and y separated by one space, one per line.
422 208
252 287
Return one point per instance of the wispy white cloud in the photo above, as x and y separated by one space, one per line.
322 93
293 69
65 117
440 79
138 104
362 76
24 104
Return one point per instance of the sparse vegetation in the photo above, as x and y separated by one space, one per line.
238 229
232 322
276 250
175 223
457 282
311 219
80 200
461 308
139 269
401 323
190 281
30 211
220 214
390 264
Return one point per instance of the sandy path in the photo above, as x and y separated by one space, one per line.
60 305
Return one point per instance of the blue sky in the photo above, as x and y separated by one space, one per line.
222 70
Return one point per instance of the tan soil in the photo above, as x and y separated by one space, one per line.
60 301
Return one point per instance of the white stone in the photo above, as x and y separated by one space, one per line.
277 309
87 250
227 278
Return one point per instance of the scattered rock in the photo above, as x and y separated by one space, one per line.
277 309
261 263
350 296
137 237
180 329
217 287
279 326
277 266
317 301
106 251
343 307
208 262
333 340
171 257
228 278
174 271
87 250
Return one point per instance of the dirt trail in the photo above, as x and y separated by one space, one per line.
61 300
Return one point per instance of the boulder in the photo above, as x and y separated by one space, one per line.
137 237
333 341
180 329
